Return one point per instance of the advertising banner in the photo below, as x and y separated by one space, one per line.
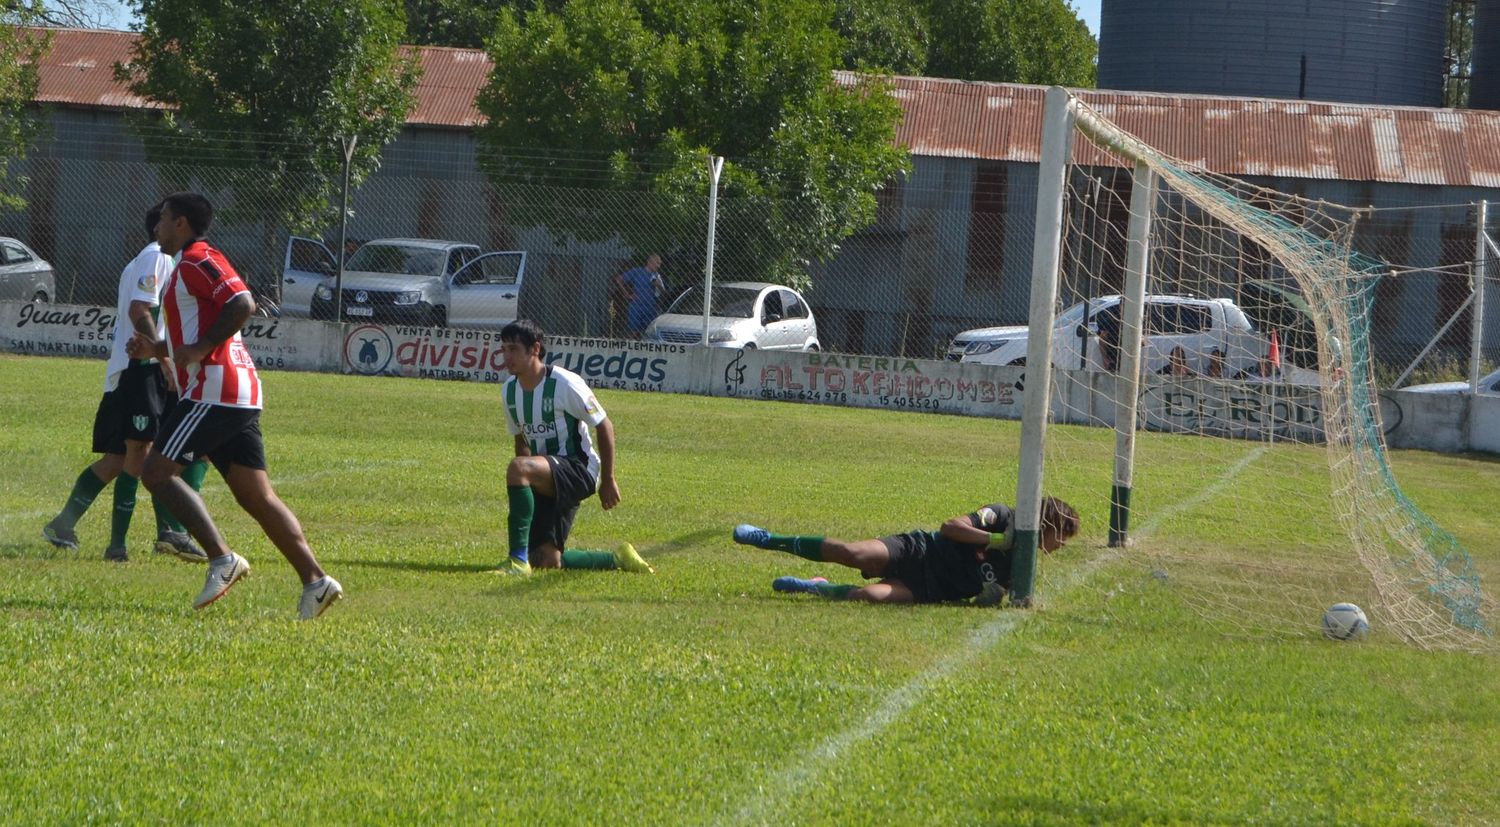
474 356
890 383
89 332
56 329
1236 409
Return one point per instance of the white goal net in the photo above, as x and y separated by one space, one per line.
1236 340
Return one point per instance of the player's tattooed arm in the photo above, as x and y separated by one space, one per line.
142 320
231 319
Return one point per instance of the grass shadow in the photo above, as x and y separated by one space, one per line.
406 565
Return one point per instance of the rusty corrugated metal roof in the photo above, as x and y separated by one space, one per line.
79 70
999 121
1234 136
450 81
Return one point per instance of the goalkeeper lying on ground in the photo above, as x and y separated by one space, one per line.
969 557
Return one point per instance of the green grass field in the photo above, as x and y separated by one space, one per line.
437 693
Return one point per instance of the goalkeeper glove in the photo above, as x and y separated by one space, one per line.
1002 541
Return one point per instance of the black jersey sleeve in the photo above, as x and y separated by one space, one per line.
994 518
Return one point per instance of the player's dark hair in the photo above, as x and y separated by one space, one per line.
525 333
1059 517
194 207
153 216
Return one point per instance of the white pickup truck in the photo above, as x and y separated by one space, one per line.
1198 326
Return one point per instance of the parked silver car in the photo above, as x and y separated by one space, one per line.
413 281
24 275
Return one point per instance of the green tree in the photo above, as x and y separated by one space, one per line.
1010 41
654 87
263 94
21 50
462 23
882 35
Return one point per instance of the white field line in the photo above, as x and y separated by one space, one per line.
768 803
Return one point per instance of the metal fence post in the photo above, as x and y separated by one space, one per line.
338 279
715 166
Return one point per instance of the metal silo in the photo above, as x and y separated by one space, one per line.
1360 51
1484 81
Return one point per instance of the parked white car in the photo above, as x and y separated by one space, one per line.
745 314
1198 326
24 275
1487 385
413 281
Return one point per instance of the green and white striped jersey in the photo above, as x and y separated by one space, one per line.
556 416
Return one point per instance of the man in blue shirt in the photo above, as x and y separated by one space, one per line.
642 288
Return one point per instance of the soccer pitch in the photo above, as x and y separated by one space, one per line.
437 693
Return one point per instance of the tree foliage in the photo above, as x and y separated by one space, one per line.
1010 41
462 23
1014 41
265 93
883 35
655 86
21 51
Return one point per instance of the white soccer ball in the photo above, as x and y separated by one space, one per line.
1345 621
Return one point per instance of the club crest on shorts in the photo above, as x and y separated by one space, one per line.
140 422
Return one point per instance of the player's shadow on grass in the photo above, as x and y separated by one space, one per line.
551 578
38 550
407 565
667 549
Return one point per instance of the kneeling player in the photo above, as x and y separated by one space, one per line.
548 409
968 557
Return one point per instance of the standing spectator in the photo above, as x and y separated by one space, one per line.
1108 325
1177 364
642 288
1215 364
205 305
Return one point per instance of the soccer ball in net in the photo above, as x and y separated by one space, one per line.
1345 621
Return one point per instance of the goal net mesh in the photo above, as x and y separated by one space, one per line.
1258 424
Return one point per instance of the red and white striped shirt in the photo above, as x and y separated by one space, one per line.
201 284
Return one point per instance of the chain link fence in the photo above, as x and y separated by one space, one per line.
949 250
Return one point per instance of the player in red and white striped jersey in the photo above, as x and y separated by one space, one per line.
195 298
205 307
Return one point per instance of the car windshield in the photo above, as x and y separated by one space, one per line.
397 259
1074 314
738 302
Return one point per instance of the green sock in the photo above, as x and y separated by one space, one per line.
835 591
805 546
195 472
522 506
119 518
85 490
165 520
576 558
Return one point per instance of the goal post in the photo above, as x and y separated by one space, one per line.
1222 329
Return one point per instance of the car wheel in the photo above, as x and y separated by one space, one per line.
40 297
813 348
438 317
1018 363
